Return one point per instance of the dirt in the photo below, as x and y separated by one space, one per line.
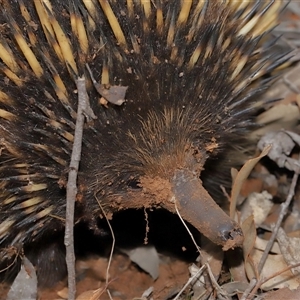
126 280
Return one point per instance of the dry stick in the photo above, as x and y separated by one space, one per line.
13 262
187 229
112 246
196 245
72 186
190 281
252 285
221 293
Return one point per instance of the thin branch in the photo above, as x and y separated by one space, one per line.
113 241
251 286
197 274
72 186
187 229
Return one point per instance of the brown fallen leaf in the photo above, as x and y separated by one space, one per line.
289 247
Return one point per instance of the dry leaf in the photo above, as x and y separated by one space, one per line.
259 205
284 293
146 257
261 244
283 143
198 284
289 247
249 231
25 284
281 113
274 264
91 295
213 255
97 266
63 293
234 287
242 176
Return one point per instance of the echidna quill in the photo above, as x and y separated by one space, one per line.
189 69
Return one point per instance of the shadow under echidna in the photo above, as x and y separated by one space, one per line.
194 70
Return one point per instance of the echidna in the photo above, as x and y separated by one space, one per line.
189 68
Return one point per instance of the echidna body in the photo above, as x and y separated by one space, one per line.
189 67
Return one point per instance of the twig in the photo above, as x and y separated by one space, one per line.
147 226
189 232
72 187
113 242
221 293
190 281
17 255
252 285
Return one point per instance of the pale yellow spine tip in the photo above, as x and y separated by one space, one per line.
113 21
